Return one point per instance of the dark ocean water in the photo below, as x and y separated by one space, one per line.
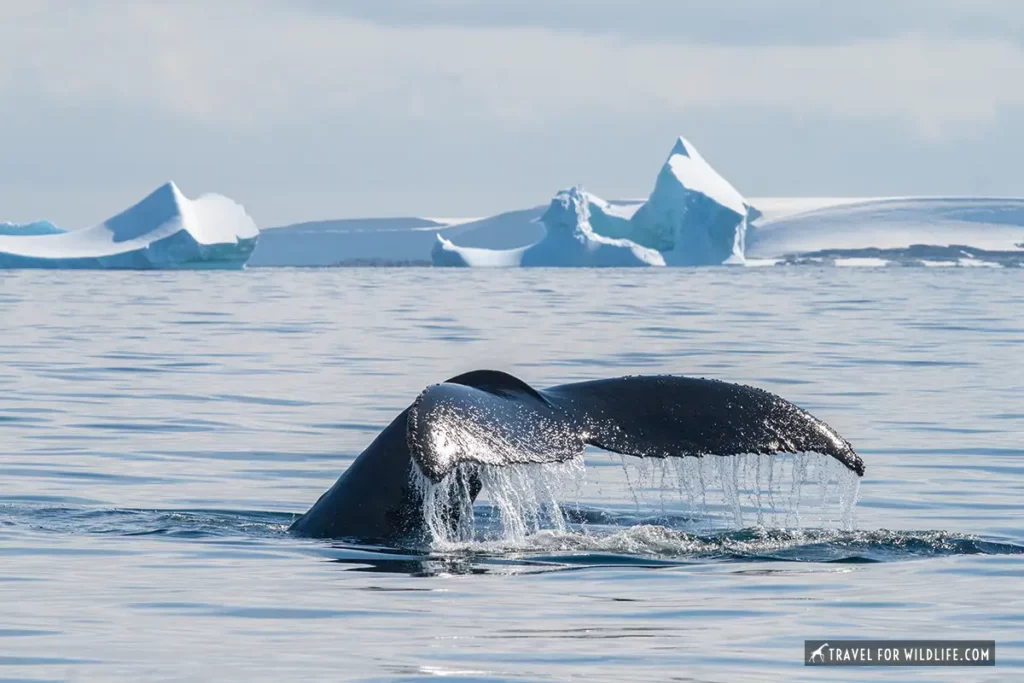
159 431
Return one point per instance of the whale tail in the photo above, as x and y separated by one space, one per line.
493 418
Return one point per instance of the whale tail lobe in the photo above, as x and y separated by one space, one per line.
491 418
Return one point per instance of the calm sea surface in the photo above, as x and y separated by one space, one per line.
159 431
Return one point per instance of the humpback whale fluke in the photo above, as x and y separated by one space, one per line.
489 417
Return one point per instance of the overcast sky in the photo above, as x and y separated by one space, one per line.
332 108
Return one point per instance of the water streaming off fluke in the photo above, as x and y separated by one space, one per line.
790 491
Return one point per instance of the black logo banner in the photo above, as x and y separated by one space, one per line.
899 652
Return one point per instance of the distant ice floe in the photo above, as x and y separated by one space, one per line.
35 228
569 240
165 230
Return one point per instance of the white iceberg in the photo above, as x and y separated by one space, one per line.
694 215
902 230
389 241
164 230
359 241
569 240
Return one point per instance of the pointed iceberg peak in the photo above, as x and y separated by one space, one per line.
210 219
569 212
157 208
683 147
688 171
167 191
694 215
696 171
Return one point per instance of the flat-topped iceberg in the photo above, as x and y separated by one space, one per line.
893 225
164 230
389 241
569 240
911 231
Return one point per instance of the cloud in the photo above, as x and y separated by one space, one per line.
260 65
713 22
